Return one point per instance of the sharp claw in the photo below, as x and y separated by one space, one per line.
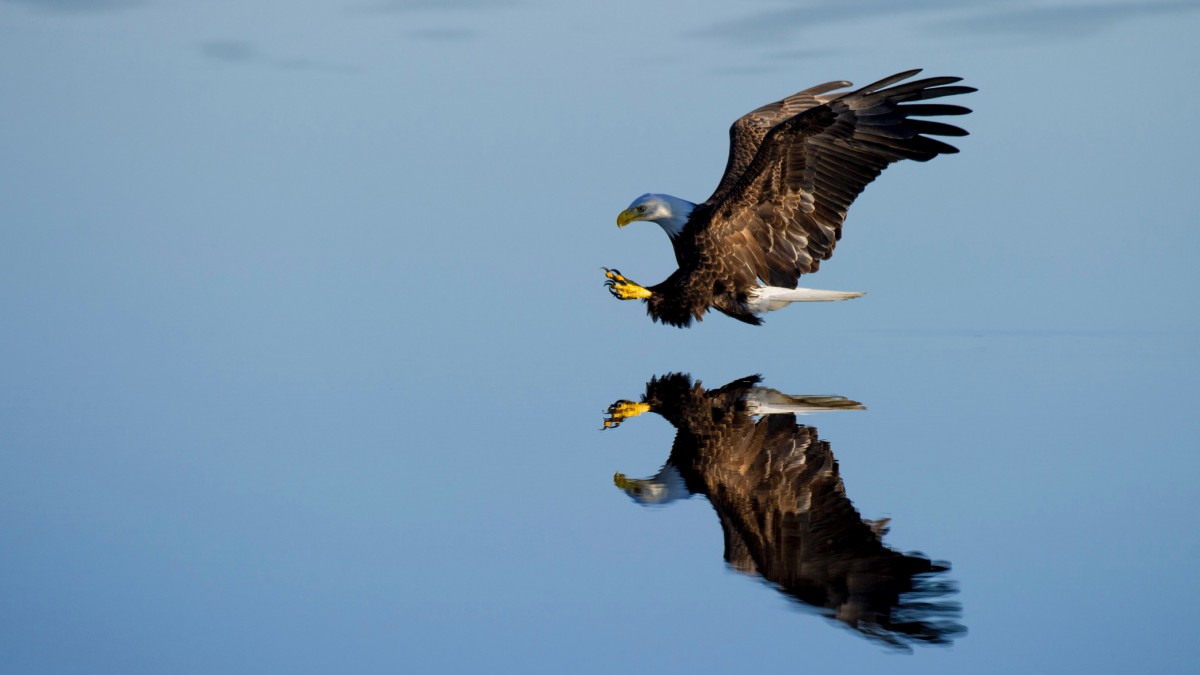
622 410
622 288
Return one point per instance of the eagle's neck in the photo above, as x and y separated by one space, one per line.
678 211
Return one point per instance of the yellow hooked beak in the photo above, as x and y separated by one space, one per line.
626 217
622 482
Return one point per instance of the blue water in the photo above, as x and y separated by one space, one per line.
306 354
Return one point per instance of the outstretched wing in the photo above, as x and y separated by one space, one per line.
784 214
746 134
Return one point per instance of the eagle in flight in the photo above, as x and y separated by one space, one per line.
794 168
778 493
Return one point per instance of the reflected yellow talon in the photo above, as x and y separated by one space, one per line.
623 410
622 288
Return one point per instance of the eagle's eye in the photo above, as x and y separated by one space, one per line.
641 209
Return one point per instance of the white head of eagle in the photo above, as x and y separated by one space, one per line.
671 213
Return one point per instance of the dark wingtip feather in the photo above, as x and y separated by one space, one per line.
930 148
939 92
935 128
932 109
888 80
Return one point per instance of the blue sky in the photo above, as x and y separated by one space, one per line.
305 342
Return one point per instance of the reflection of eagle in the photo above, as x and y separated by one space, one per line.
794 168
776 489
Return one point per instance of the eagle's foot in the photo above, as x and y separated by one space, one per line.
622 288
623 410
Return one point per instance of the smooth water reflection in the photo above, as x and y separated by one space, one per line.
783 507
303 343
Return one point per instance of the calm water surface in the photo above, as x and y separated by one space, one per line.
306 356
475 521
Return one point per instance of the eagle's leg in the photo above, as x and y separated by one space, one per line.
622 288
623 410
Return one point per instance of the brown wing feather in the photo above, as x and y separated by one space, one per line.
784 214
746 134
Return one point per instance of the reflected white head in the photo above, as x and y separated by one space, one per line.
664 487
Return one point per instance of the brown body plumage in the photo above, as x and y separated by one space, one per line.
794 168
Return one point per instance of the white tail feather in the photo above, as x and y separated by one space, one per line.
770 298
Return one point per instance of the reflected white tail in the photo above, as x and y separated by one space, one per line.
771 298
763 401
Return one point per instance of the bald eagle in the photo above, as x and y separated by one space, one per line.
779 496
794 168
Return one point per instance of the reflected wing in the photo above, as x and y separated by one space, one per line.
746 134
784 214
778 492
786 516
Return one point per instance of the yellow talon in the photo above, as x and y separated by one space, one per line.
623 410
615 275
622 288
629 291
